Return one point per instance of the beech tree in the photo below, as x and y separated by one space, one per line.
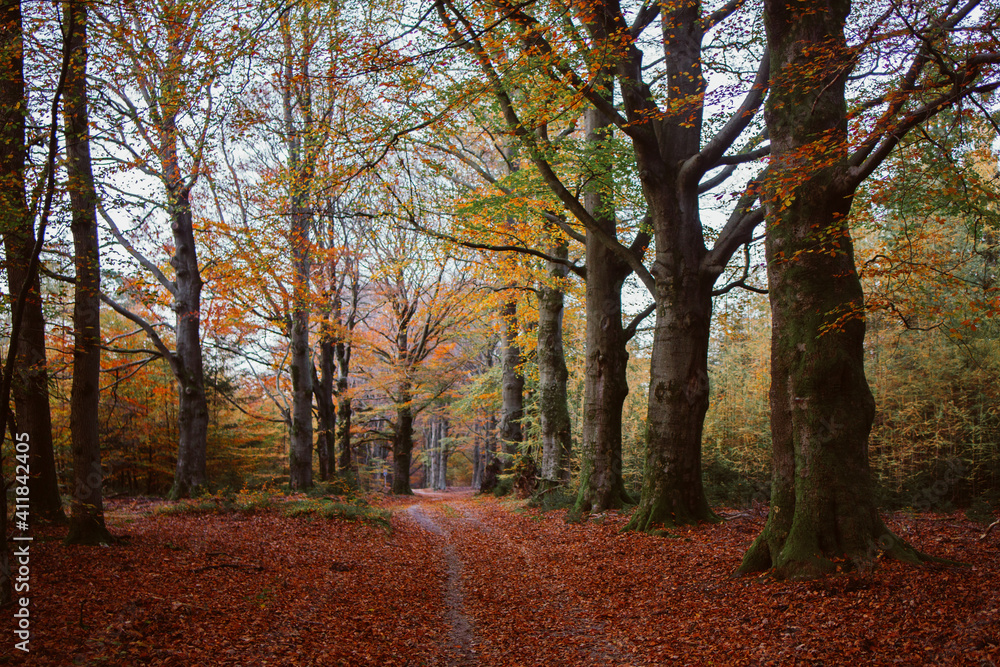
159 66
415 337
823 509
30 385
663 115
87 521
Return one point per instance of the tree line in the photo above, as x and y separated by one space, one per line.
371 213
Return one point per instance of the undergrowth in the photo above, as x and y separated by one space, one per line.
350 508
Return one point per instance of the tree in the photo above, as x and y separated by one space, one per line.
14 219
606 385
416 335
664 124
87 521
823 514
159 67
30 387
592 164
553 403
302 145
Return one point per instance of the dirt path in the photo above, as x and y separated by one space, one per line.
461 636
508 600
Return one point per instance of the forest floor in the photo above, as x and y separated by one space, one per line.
461 580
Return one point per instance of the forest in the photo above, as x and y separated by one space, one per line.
488 332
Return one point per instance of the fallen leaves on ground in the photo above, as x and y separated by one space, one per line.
269 589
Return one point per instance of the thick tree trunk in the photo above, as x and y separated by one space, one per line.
605 381
87 520
192 414
672 490
823 512
402 442
553 408
30 383
512 385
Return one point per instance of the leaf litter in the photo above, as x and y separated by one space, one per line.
474 581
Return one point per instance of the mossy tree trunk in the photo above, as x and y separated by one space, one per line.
511 384
553 407
605 379
823 514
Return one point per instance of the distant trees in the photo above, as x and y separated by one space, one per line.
417 338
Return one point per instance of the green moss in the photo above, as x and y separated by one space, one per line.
326 508
505 485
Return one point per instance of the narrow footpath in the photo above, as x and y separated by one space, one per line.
508 600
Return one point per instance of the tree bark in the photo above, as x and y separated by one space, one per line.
823 514
667 153
402 443
672 489
326 411
87 519
605 379
553 407
30 383
192 413
512 385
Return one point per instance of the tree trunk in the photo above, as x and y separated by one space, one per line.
441 449
13 207
477 465
87 520
402 442
823 512
30 382
672 489
553 408
344 407
605 381
300 451
192 413
326 411
512 385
